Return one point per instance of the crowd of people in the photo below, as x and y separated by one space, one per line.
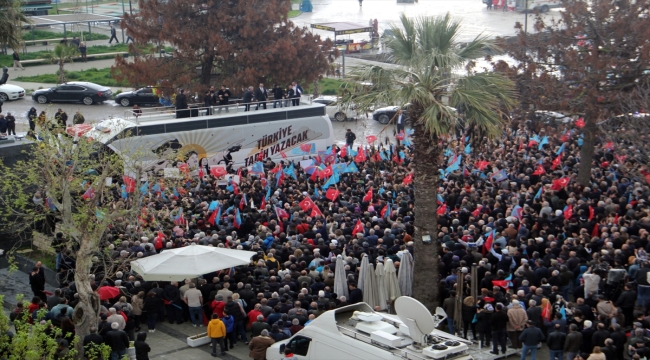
556 261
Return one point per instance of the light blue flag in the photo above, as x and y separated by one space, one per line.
382 155
561 150
581 140
441 199
448 152
316 192
352 152
124 193
406 142
290 171
339 167
541 143
258 168
352 168
329 183
381 191
156 188
468 149
535 138
213 205
500 176
144 188
410 131
466 138
401 155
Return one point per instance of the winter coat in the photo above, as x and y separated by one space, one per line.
573 342
137 304
556 340
232 308
152 304
484 317
517 318
229 321
468 313
531 336
258 346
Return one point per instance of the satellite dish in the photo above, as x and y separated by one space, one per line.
416 317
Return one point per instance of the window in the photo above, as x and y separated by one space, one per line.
145 91
299 345
75 88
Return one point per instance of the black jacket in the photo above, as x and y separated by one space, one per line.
556 340
356 296
181 101
350 137
531 336
627 299
232 308
248 97
260 94
499 320
117 340
278 93
142 350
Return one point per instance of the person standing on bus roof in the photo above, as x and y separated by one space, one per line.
260 96
223 97
207 102
278 95
248 98
297 93
181 104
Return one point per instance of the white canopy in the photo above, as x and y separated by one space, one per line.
189 262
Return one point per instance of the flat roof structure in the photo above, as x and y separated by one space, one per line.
50 20
343 28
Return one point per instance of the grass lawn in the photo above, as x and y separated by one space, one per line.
97 76
7 60
43 34
48 259
328 86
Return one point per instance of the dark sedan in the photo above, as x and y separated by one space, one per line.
144 96
85 92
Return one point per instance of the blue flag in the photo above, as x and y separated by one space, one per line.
258 168
268 194
401 155
290 172
541 143
316 192
352 168
156 188
581 140
535 138
213 205
441 199
410 131
124 193
500 176
382 155
144 188
468 149
406 142
381 191
228 210
561 150
448 152
176 193
218 219
539 193
352 152
99 214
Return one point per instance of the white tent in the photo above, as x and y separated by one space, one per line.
405 275
340 279
189 262
382 295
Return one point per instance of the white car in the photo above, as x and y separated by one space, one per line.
11 92
334 110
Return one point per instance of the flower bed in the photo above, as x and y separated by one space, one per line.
198 340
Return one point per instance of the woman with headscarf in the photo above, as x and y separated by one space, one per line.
469 313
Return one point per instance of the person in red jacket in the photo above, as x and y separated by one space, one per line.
252 315
217 305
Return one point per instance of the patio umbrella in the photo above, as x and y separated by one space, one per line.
340 280
367 271
189 262
107 292
405 275
382 295
390 280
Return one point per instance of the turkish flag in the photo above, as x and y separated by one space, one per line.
580 123
361 156
129 183
276 169
568 212
305 148
344 151
218 171
330 158
383 211
358 227
327 172
482 164
560 184
556 162
595 230
316 211
368 196
591 213
408 179
371 139
213 217
263 204
242 203
376 157
532 143
620 158
306 203
609 146
332 194
566 135
539 170
477 212
400 136
260 156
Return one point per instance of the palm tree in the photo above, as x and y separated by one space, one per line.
62 53
434 80
11 19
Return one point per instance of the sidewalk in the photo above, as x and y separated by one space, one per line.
53 68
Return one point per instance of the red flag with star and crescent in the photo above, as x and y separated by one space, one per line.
560 184
408 179
358 227
368 196
539 170
580 123
591 213
332 194
556 162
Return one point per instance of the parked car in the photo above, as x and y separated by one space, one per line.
334 110
552 116
11 92
85 92
144 96
385 114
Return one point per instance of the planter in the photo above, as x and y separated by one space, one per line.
198 340
130 352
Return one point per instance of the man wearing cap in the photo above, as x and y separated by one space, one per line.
530 337
118 341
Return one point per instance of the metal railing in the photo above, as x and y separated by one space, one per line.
170 112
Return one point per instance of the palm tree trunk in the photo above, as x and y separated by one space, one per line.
61 72
425 181
587 149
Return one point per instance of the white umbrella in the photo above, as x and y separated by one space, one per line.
340 279
382 295
367 273
390 280
189 262
405 275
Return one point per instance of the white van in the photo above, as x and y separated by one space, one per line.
209 137
358 332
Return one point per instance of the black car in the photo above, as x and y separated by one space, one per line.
144 96
385 114
85 92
